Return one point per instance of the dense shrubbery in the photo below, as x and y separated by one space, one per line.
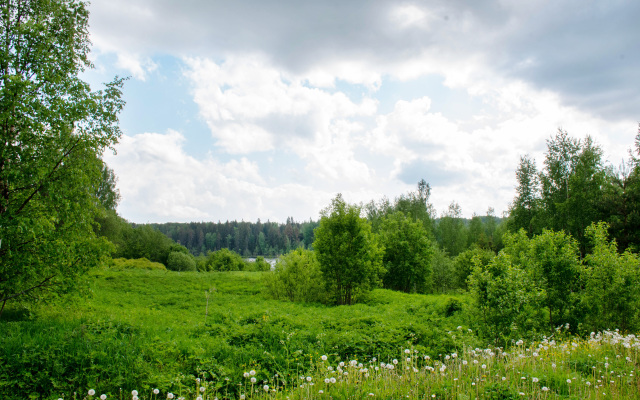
224 260
297 277
135 263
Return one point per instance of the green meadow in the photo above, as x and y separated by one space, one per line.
177 333
143 329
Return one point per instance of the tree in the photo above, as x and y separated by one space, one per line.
526 205
53 130
349 253
451 231
611 295
407 254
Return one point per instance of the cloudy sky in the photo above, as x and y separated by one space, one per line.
266 109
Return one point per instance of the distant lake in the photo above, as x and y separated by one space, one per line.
271 261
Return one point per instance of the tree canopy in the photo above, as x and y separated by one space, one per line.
53 131
349 253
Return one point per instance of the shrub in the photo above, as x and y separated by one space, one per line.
179 261
136 263
225 260
297 277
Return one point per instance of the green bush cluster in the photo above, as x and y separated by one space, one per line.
135 263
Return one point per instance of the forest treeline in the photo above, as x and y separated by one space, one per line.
245 238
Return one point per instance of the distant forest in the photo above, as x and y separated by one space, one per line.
245 238
272 239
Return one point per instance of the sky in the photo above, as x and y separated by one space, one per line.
266 109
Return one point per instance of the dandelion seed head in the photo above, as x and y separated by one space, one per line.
91 392
156 391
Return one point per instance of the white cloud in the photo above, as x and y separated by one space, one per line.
138 66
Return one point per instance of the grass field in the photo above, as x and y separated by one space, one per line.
149 329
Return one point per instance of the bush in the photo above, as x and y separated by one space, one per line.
225 260
179 261
259 265
137 263
297 277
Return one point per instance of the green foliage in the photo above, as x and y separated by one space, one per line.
465 262
180 261
451 232
224 260
407 254
53 130
144 241
349 253
138 263
297 277
611 284
506 299
443 271
259 265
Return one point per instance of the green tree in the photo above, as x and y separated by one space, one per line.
526 205
611 281
349 253
451 232
53 131
466 261
407 254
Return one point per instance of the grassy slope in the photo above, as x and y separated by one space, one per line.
147 329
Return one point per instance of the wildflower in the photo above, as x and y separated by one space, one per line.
341 363
134 392
324 358
407 351
553 365
202 389
242 397
134 398
103 397
545 389
309 379
395 361
427 358
252 372
464 362
266 388
170 396
326 380
253 380
484 366
156 391
454 355
568 380
320 391
91 392
588 383
504 378
246 375
408 359
390 366
535 380
333 380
